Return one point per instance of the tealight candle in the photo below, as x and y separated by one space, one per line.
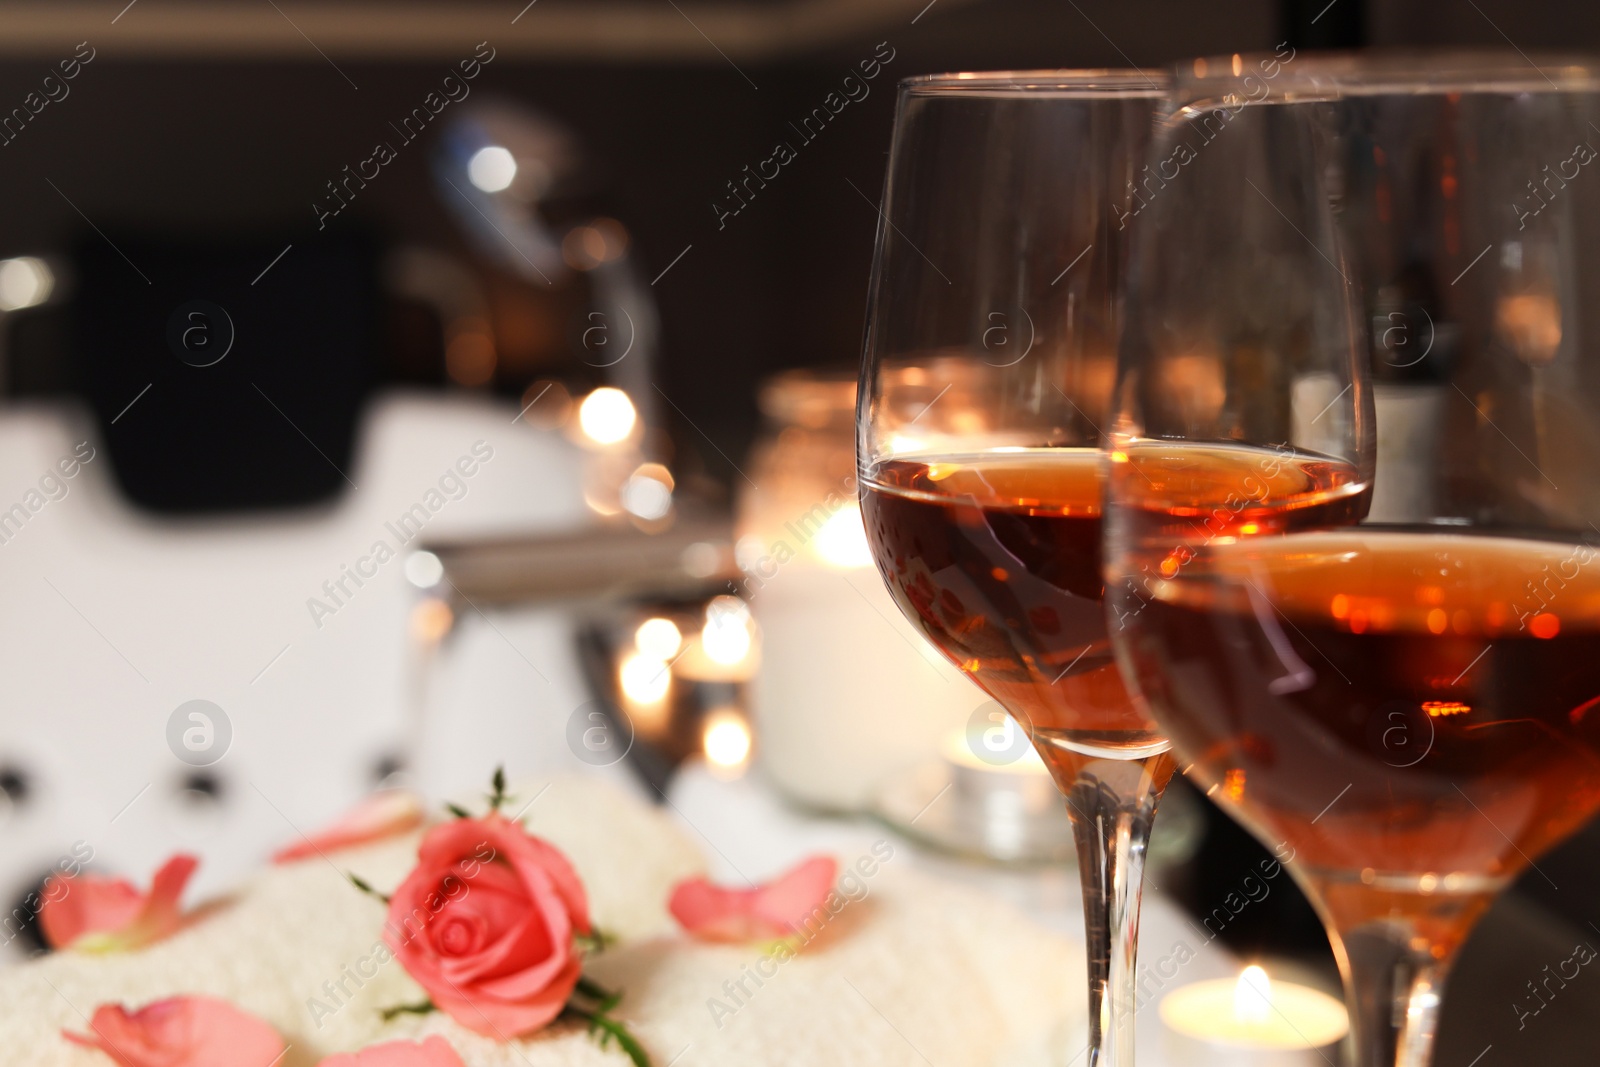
1252 1022
1002 798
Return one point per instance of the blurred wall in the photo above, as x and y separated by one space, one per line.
191 145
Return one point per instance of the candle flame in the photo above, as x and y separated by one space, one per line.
658 639
1252 997
726 634
726 740
644 679
607 416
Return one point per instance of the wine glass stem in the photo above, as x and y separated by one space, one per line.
1396 991
1113 804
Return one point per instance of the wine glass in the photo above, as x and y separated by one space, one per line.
990 356
1351 541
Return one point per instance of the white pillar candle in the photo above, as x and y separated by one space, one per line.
848 692
1252 1021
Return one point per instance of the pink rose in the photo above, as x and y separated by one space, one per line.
434 1052
389 811
486 922
765 913
94 914
181 1032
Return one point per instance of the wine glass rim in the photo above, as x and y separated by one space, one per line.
1385 72
1130 83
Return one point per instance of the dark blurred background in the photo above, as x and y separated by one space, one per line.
200 127
221 119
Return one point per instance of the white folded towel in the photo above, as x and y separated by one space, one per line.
912 972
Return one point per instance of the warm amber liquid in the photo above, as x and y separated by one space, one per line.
996 558
1411 709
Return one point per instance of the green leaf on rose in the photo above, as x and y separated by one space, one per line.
609 1028
421 1007
597 992
362 884
596 940
604 1029
601 1026
498 797
458 811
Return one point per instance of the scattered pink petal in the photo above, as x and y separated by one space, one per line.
434 1052
94 914
777 909
183 1032
386 812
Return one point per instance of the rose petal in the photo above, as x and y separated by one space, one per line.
712 913
384 813
534 940
777 909
484 1012
95 914
790 899
502 898
181 1032
504 841
537 855
434 1052
540 923
74 906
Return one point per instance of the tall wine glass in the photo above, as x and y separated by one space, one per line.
990 355
1352 543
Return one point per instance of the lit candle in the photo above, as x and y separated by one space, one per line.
999 787
1252 1022
726 648
725 739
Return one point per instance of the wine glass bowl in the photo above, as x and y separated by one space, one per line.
991 355
1348 585
995 556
